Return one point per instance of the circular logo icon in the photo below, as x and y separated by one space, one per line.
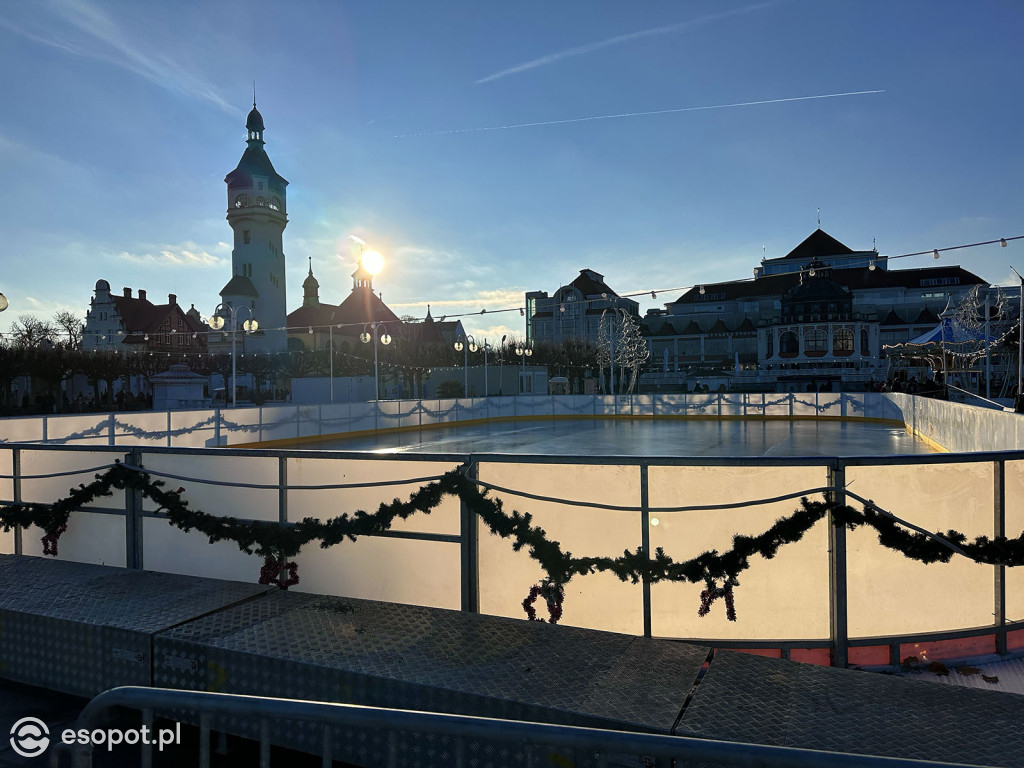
30 737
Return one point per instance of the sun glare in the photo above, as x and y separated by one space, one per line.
372 262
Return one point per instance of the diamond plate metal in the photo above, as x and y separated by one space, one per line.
303 646
81 629
769 701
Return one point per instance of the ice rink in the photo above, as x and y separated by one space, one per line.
622 437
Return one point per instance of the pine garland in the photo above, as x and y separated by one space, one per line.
278 543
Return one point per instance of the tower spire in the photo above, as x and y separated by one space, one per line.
254 94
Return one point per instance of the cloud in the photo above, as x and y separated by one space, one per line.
91 33
187 254
581 50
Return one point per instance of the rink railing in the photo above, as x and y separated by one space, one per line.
279 423
835 595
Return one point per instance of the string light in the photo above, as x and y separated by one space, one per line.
935 253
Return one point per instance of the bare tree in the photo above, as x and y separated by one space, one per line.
31 331
70 324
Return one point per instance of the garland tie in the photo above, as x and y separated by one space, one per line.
712 592
279 572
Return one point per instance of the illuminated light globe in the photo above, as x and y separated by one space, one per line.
371 261
3 302
458 346
364 337
250 326
216 322
385 339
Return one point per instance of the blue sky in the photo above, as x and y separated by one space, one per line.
121 119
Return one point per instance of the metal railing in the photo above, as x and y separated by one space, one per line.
527 743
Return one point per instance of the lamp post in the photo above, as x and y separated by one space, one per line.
524 351
1019 402
3 302
466 346
383 338
250 325
501 365
486 347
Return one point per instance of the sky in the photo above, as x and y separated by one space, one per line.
460 141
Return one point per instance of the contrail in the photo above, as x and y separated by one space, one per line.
580 50
634 114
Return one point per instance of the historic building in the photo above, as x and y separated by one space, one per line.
822 313
574 311
134 323
258 215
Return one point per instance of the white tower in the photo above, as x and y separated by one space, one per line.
257 214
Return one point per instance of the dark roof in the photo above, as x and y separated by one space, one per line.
255 162
691 329
719 327
319 315
588 286
364 306
140 316
254 122
893 319
746 326
240 285
927 317
816 289
816 245
856 278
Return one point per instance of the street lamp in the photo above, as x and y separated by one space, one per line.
501 364
384 339
465 348
524 351
1019 402
250 325
3 302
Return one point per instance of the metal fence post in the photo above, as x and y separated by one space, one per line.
111 436
133 517
469 545
216 427
999 571
838 627
16 472
645 542
282 489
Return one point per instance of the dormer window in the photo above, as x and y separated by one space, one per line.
259 186
242 201
261 202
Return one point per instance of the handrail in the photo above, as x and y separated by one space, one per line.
993 403
598 742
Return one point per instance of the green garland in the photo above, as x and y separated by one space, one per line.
277 542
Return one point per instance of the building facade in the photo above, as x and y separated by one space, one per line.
135 324
574 311
820 314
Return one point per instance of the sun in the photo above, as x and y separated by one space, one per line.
372 262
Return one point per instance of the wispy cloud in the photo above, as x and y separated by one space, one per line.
90 33
187 254
581 50
637 114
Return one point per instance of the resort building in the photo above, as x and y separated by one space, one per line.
574 311
136 324
819 315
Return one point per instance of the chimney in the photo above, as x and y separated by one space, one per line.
142 294
127 293
172 299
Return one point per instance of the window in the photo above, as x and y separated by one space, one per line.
865 347
842 342
259 186
242 201
261 202
815 342
245 236
934 281
789 344
275 204
769 345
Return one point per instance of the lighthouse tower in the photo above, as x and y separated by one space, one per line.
257 213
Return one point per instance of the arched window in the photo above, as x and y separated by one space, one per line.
789 344
842 342
769 345
242 201
275 204
815 342
865 347
262 202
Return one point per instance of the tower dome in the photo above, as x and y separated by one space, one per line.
310 288
254 122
